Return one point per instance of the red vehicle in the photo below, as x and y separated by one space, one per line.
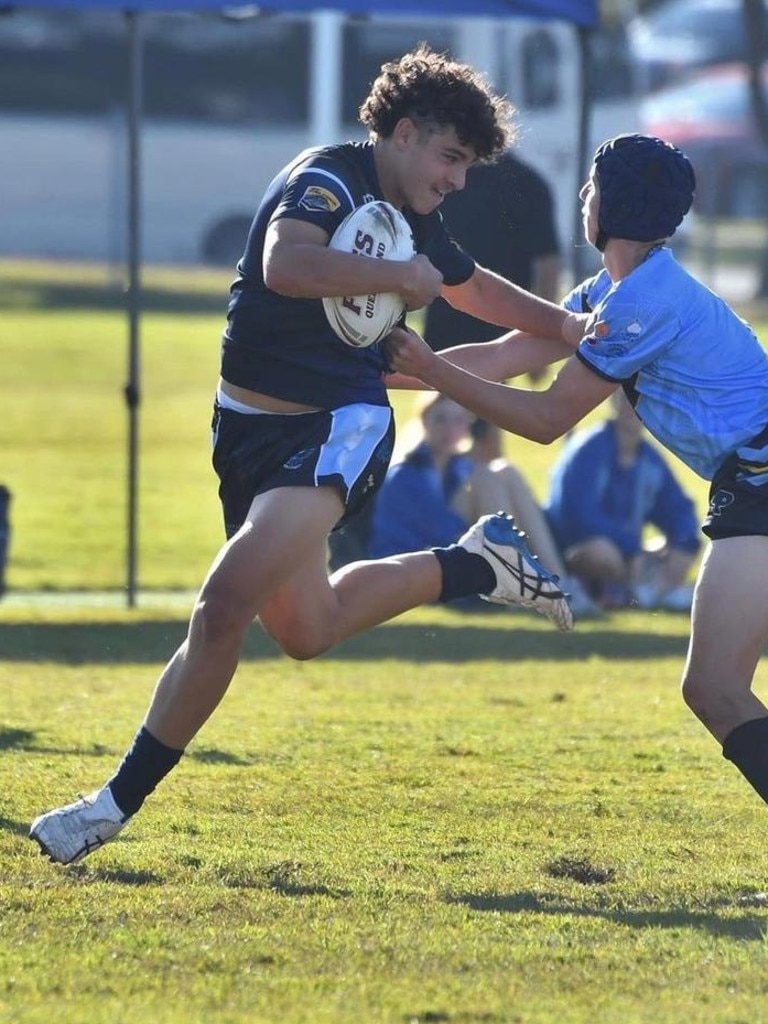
710 117
676 37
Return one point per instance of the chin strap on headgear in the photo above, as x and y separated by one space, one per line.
646 188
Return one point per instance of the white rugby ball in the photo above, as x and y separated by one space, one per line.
380 231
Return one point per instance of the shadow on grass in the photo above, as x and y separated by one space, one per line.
745 928
117 876
150 642
19 294
19 828
27 740
12 738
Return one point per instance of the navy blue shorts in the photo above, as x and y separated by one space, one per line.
348 448
738 497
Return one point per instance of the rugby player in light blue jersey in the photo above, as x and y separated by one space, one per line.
698 379
303 429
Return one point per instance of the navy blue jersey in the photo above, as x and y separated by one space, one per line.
285 347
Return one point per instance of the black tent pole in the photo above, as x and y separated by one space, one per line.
132 388
583 149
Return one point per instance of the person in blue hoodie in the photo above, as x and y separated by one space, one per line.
414 509
452 472
606 486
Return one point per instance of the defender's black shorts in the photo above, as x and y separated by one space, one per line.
348 448
738 497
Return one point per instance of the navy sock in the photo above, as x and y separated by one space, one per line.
464 573
145 765
747 747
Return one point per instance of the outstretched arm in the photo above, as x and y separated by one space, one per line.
511 355
496 300
538 415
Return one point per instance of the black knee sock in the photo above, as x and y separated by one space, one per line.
747 747
464 574
145 765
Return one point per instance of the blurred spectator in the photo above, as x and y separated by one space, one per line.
496 484
414 507
443 483
505 217
607 484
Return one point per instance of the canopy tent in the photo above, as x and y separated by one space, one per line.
582 14
579 12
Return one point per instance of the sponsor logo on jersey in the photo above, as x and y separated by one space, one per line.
598 331
317 198
297 460
633 330
721 500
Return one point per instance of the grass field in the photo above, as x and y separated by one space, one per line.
455 818
459 818
63 433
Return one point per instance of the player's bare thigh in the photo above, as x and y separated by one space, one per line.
286 530
729 630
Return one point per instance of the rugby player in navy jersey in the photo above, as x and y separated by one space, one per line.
698 379
302 426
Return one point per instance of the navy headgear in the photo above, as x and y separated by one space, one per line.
646 188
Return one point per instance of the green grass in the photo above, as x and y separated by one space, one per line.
64 428
64 436
453 818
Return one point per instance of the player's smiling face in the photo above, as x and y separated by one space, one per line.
431 162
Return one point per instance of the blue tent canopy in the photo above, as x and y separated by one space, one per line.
578 12
582 14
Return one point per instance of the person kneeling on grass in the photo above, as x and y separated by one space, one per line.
450 475
303 429
698 379
606 485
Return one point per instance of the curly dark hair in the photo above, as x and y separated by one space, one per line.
435 90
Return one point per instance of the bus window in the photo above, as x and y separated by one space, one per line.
196 67
62 63
541 63
370 43
255 69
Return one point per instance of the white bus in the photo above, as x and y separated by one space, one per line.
226 104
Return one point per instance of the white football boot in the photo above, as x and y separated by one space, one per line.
68 834
520 578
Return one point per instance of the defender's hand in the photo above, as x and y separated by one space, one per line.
409 354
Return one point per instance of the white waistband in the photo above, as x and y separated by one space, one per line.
227 402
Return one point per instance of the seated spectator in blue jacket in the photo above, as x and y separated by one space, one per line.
607 485
452 475
413 510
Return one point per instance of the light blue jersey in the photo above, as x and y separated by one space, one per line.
696 373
